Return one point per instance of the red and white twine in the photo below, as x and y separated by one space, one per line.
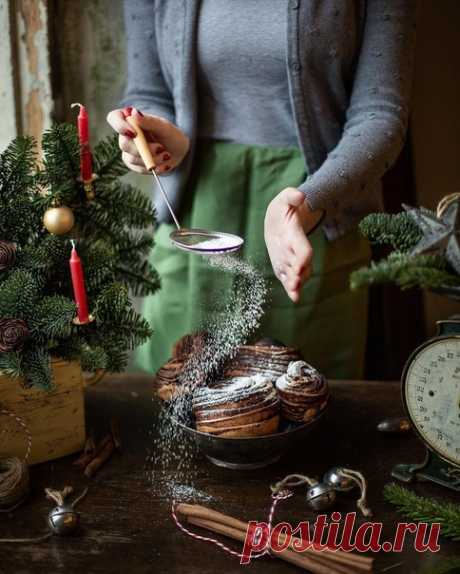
275 499
22 423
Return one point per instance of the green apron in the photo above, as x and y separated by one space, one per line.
230 189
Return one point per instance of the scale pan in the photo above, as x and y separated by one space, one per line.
205 242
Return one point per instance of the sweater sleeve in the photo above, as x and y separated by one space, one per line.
146 88
377 117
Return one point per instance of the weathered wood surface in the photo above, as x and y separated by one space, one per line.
25 74
126 523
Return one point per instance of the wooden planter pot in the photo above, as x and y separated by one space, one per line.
55 419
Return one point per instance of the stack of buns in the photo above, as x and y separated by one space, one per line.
260 383
238 407
266 357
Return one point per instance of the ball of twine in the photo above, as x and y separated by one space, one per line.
14 472
14 483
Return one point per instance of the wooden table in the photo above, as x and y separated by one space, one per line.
126 521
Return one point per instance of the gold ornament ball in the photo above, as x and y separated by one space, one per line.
59 220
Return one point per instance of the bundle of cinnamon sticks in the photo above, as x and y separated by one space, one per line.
317 562
94 455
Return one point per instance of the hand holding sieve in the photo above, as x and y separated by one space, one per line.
201 241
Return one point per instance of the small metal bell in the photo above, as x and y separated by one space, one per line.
63 520
320 496
335 478
394 426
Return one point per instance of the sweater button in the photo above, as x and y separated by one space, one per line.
294 4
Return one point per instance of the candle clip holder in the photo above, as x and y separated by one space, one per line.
76 321
88 186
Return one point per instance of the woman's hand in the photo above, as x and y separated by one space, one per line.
287 221
168 144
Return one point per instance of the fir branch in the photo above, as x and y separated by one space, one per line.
94 221
45 255
424 271
139 244
70 349
11 364
117 360
61 165
52 318
428 510
136 329
36 368
16 165
98 258
19 294
107 161
18 222
142 281
111 303
97 276
399 231
127 202
94 358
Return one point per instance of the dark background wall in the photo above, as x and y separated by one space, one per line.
436 118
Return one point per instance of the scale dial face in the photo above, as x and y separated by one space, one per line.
431 393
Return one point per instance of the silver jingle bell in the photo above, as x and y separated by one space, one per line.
320 496
338 482
63 520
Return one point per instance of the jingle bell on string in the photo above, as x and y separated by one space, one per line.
63 520
339 482
59 220
320 496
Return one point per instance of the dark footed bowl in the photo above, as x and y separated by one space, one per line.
250 452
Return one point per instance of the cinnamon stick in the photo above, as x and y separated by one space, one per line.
115 432
90 454
362 563
100 459
288 555
87 454
94 456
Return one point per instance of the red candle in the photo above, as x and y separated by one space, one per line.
86 159
78 282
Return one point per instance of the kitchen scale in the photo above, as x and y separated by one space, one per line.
430 387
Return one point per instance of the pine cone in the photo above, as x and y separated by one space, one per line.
7 254
13 333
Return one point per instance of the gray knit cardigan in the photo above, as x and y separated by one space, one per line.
349 68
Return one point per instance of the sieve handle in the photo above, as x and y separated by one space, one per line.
141 143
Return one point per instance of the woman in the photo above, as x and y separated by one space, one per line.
267 114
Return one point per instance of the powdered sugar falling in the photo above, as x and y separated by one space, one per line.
226 331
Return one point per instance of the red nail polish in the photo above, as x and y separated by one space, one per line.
160 149
130 134
167 167
127 111
166 157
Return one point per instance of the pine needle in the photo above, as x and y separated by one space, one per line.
428 510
